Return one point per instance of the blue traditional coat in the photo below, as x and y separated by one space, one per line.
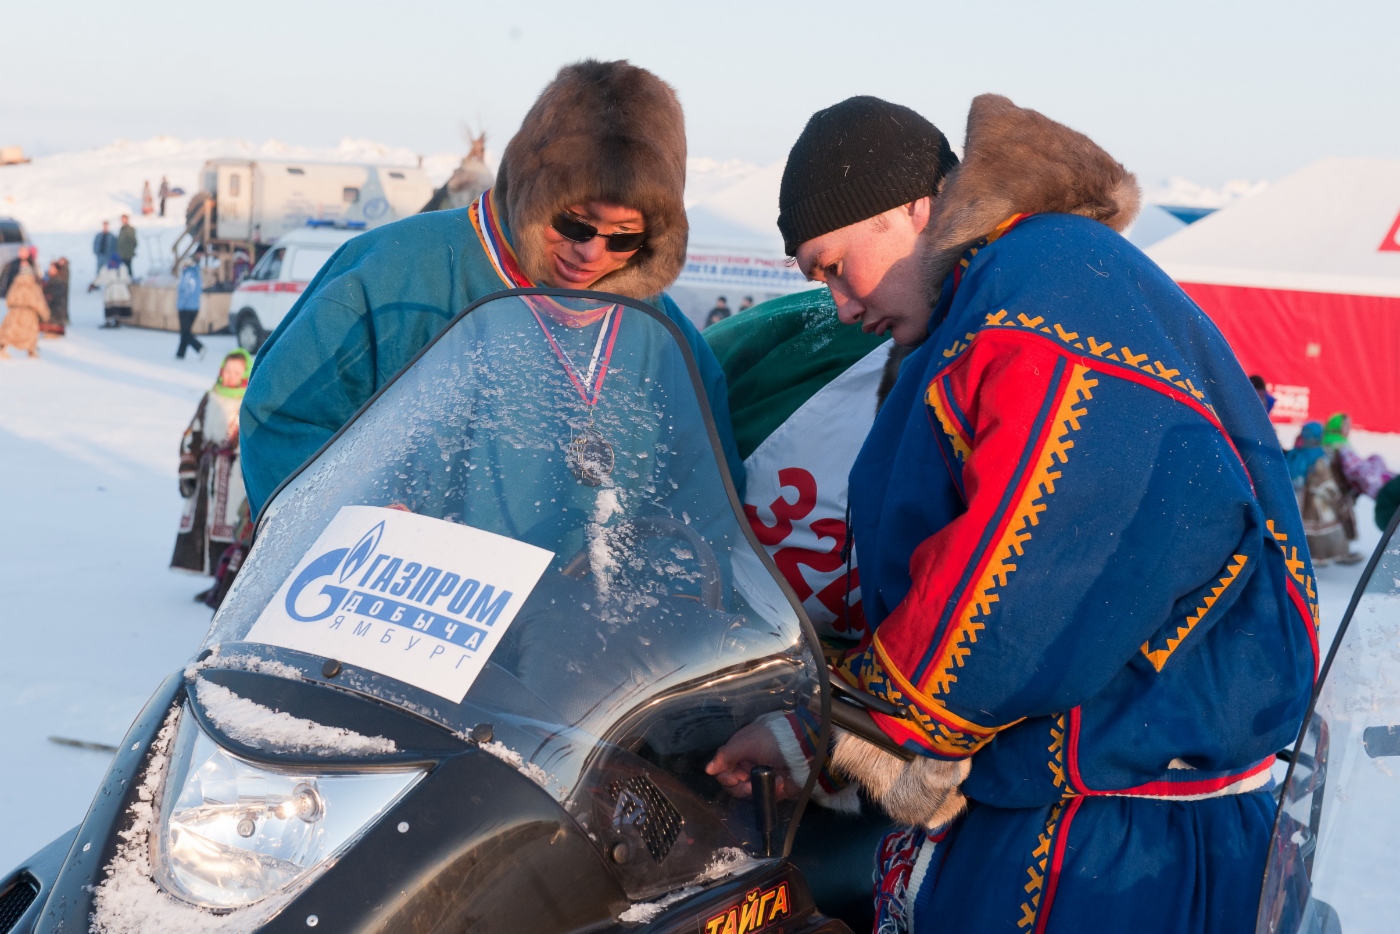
1084 567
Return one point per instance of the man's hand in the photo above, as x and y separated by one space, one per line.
752 746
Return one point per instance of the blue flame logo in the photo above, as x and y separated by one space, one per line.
364 550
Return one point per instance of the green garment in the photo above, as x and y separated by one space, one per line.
380 299
777 355
1332 436
126 242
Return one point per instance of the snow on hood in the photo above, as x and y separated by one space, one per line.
273 731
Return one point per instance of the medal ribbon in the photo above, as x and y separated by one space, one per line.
612 323
486 221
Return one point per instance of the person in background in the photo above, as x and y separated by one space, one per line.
104 245
115 283
163 194
1262 388
187 298
27 255
747 303
148 206
211 481
26 309
126 245
719 312
56 294
1329 521
242 265
1357 475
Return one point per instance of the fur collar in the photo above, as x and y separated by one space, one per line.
1020 161
608 131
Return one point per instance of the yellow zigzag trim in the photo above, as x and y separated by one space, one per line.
1057 753
1040 859
1105 349
1295 567
1158 657
1026 513
934 397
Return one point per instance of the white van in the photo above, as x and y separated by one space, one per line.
267 293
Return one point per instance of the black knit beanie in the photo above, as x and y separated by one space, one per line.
854 160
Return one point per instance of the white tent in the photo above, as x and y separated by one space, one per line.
1304 281
735 248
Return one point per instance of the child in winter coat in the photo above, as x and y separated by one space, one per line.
27 309
211 480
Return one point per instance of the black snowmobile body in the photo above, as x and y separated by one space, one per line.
281 783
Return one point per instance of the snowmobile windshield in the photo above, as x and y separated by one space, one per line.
532 527
1331 864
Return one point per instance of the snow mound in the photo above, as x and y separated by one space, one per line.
1181 192
274 731
503 752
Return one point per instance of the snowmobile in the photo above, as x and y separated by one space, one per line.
472 670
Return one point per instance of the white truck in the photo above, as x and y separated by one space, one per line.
243 205
264 296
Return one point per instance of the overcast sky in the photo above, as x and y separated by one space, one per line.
1205 90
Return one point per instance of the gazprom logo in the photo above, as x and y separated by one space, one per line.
362 552
438 601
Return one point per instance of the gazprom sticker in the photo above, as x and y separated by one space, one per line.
415 598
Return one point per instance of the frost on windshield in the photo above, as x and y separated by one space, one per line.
656 631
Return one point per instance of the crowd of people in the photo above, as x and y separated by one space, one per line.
1328 477
35 304
721 311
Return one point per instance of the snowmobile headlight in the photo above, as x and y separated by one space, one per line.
231 832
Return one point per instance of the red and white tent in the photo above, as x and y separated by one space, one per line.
1304 281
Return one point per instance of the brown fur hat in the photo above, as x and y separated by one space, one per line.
1019 161
601 131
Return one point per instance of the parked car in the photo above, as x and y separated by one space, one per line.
266 294
12 237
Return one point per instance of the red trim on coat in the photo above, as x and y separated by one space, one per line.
1052 881
1157 789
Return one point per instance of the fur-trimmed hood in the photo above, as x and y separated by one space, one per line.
606 131
1018 161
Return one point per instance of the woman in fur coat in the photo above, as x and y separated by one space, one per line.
211 480
26 311
601 152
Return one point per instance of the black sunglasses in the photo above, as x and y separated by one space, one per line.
571 228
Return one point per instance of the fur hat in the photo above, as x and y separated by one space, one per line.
1017 160
601 131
